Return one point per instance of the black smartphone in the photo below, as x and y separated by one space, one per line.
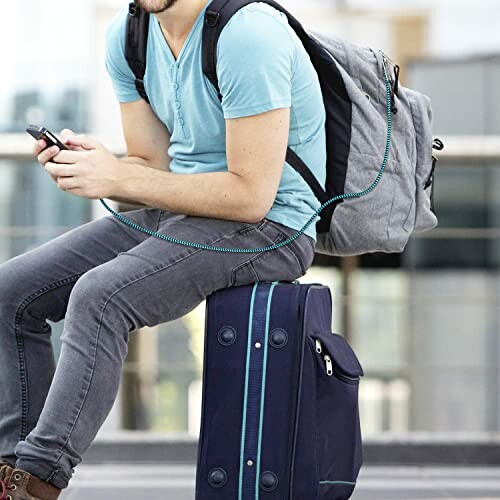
42 133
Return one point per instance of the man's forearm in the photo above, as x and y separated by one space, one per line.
221 195
136 160
125 201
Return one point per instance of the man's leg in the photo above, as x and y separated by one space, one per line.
35 287
152 283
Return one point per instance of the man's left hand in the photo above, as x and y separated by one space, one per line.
90 172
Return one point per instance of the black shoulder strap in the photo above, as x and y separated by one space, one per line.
136 45
217 15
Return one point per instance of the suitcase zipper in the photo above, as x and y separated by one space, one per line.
330 369
319 349
329 365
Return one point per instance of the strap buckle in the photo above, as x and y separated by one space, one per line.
132 9
211 18
139 85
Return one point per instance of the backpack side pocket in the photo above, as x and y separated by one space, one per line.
425 217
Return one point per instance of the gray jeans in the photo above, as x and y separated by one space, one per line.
107 279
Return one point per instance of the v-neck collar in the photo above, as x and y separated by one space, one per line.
197 21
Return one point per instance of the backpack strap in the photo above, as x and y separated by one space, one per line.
217 15
136 45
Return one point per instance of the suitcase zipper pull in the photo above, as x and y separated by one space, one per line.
329 365
319 349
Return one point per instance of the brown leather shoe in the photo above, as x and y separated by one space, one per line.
4 469
21 485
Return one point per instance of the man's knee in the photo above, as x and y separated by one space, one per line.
24 296
12 284
96 299
91 291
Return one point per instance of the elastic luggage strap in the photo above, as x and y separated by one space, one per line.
306 225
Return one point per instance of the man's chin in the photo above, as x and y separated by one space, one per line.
158 8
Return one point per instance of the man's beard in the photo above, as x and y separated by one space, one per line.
155 6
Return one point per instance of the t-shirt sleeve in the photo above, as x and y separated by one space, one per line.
122 77
255 63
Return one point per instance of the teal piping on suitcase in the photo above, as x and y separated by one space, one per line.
212 248
263 387
244 421
338 482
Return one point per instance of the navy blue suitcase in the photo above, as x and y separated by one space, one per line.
280 415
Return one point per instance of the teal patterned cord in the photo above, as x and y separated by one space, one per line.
306 225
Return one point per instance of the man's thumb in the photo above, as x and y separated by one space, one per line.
65 133
83 141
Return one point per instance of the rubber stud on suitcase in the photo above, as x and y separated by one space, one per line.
217 478
268 481
278 338
226 335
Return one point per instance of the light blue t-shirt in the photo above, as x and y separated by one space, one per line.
261 65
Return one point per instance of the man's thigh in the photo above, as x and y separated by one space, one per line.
158 281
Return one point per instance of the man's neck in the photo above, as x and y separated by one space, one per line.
177 21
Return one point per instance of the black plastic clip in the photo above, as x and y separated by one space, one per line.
438 144
132 9
211 18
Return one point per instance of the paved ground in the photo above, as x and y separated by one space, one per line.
161 482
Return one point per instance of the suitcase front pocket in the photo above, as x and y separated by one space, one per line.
338 434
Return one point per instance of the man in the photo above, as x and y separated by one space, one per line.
206 172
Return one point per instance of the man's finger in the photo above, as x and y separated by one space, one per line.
83 141
66 183
68 156
47 154
60 169
38 147
65 134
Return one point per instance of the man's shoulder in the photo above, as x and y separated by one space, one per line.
260 15
255 23
115 30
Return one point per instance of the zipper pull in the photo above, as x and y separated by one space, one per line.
329 365
319 349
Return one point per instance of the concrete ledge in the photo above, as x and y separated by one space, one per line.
401 449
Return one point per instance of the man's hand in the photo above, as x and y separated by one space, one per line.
44 156
88 169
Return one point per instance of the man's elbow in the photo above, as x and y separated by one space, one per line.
254 200
255 211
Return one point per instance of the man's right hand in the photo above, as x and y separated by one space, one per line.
44 155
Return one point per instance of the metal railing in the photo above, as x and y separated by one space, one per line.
458 149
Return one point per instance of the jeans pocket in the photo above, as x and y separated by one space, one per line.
256 226
272 265
302 247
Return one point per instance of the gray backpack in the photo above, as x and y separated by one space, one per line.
379 183
402 202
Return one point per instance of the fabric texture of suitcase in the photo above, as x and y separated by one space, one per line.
280 415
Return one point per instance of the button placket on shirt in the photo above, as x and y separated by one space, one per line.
177 103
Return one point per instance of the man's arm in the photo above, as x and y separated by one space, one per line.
146 137
255 148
